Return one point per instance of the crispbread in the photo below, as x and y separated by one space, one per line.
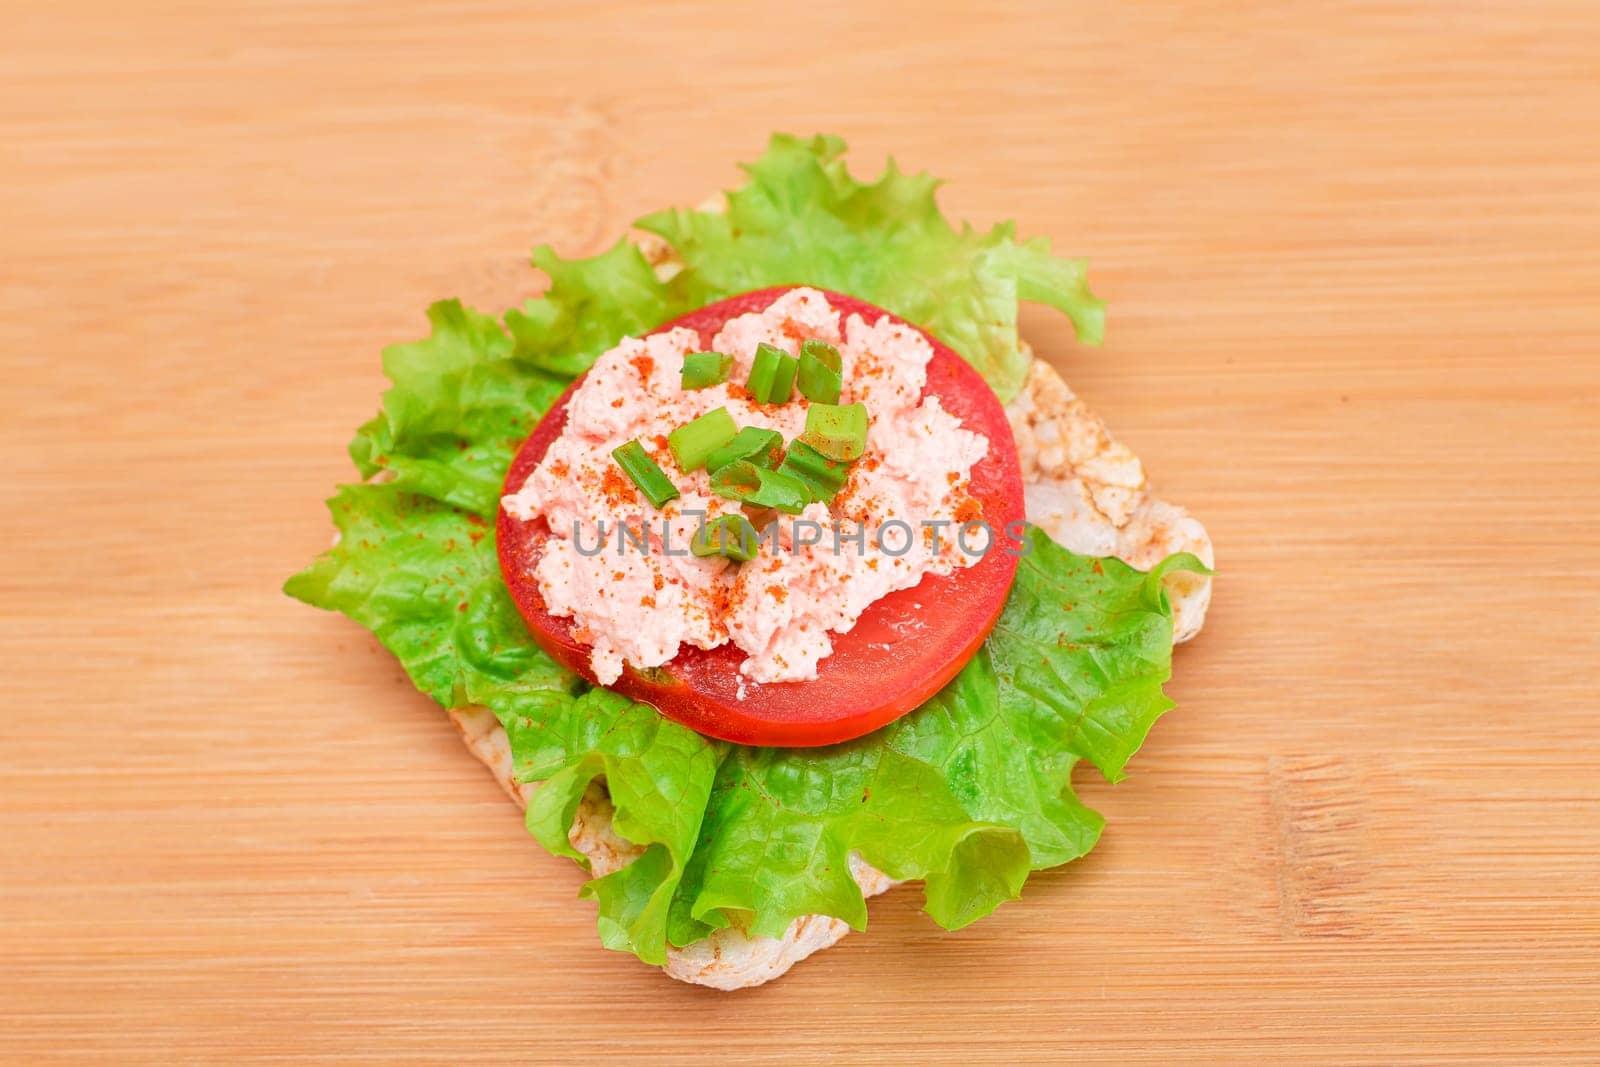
1083 488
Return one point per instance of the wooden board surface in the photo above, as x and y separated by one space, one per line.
1351 255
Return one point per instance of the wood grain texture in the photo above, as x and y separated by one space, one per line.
1350 251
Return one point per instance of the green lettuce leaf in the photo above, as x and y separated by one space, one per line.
658 775
972 733
802 218
968 793
459 408
591 304
422 575
782 824
1084 646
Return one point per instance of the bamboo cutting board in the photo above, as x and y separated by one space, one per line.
1351 255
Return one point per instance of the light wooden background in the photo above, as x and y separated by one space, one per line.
1353 257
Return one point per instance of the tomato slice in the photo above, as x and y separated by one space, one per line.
901 651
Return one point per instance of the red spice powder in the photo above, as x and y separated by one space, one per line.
644 365
724 599
616 487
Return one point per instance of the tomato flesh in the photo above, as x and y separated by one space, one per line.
901 651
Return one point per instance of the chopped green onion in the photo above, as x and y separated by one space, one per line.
762 368
643 472
783 380
771 375
704 369
726 535
749 484
692 442
822 476
819 377
761 447
838 432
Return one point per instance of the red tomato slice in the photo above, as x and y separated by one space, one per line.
902 650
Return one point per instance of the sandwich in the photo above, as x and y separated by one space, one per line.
765 567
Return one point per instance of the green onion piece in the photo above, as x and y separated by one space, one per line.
643 472
762 370
783 380
819 377
704 369
692 442
749 484
726 535
772 374
761 447
838 432
822 476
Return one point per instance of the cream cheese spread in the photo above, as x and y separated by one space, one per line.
621 569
